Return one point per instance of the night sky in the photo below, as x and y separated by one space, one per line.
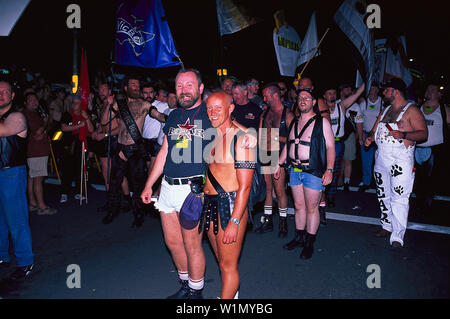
42 42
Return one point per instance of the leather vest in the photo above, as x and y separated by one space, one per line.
13 149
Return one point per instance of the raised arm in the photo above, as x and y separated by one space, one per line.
352 98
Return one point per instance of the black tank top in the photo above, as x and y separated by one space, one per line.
13 149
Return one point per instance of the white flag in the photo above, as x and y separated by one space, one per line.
230 18
310 42
287 47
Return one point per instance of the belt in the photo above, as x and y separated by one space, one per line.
179 181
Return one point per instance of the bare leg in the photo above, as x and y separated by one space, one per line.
30 193
279 185
312 199
39 192
194 252
299 206
174 240
228 256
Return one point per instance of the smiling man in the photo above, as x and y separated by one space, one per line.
227 188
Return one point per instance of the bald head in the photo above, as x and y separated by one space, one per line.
219 107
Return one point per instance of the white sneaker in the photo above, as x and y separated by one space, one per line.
78 196
63 198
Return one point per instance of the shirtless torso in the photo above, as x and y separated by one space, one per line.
222 162
138 110
303 150
270 138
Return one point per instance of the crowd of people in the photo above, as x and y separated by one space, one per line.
203 156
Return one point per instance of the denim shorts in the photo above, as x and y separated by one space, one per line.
306 179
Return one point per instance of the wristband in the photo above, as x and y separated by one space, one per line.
330 169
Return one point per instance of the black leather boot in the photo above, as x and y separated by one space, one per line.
195 294
183 292
298 240
109 217
138 220
323 215
308 248
282 227
266 224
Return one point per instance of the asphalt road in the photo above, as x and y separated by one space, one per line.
118 262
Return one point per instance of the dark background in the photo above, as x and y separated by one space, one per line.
42 42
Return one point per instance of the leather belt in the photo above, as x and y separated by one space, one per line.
179 181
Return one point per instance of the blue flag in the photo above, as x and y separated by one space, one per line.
143 36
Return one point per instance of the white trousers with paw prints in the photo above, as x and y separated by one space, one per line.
394 177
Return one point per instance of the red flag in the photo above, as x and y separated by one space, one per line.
84 92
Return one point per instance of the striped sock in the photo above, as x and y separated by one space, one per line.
323 204
196 284
267 210
282 212
183 275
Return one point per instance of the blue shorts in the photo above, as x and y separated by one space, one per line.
306 179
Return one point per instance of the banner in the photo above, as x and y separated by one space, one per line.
10 13
287 49
379 60
143 36
310 42
351 22
231 18
397 61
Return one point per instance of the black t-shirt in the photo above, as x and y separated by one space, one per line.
247 115
193 131
72 136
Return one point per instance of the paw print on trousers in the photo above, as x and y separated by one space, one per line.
396 170
399 189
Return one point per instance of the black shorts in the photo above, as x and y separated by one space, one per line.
151 146
100 148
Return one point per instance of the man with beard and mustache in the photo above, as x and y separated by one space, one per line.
129 155
13 185
182 162
310 150
396 132
337 116
106 135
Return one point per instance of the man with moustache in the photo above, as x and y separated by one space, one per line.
337 116
310 150
181 161
13 185
396 132
273 130
107 135
130 152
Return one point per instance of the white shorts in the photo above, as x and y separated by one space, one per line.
171 197
37 166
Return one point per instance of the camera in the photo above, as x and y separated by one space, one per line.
42 112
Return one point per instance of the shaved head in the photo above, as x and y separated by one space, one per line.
219 107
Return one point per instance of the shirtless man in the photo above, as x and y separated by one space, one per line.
129 154
310 149
234 175
106 134
321 106
396 132
274 124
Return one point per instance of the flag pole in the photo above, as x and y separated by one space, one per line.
81 173
314 53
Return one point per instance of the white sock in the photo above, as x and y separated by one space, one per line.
267 210
183 275
282 212
196 284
